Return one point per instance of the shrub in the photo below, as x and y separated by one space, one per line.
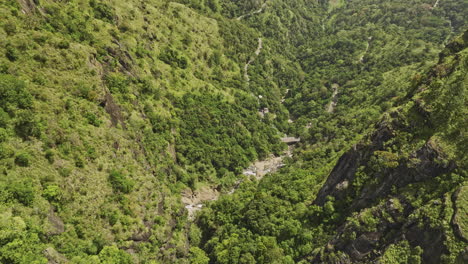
113 217
40 39
65 172
10 28
401 252
93 120
198 256
12 53
3 68
49 155
3 134
52 193
63 44
148 88
91 153
174 58
117 83
39 80
79 162
22 191
214 5
26 125
23 160
86 91
13 94
40 58
4 118
5 151
120 182
111 254
102 11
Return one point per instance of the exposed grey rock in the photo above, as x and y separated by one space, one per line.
54 257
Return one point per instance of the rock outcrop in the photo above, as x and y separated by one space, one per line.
404 149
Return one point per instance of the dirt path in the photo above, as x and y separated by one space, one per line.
253 12
252 59
194 201
260 43
361 59
334 100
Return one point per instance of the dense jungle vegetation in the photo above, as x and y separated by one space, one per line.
112 111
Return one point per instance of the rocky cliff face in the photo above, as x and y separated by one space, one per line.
394 226
406 150
429 165
393 223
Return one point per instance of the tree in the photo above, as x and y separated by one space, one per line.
17 243
198 256
111 255
214 5
120 182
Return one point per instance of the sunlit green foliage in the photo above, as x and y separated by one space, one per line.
109 110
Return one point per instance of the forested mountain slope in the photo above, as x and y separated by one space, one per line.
397 196
111 111
401 186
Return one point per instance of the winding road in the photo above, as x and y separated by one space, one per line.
262 7
252 59
260 43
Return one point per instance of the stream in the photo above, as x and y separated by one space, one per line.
194 200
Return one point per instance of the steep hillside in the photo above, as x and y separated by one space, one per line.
399 190
109 111
113 113
397 196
